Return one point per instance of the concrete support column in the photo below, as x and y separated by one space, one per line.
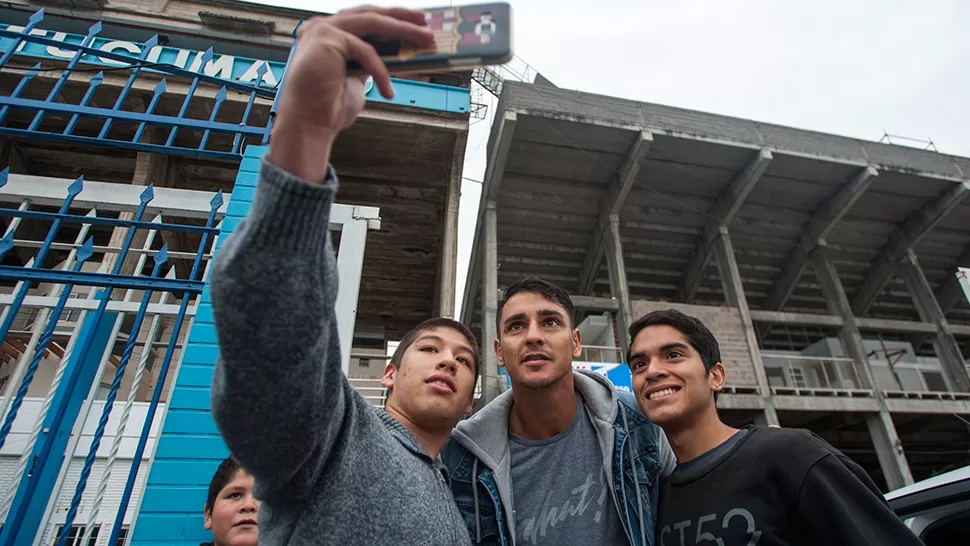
947 349
889 449
448 269
619 288
734 293
490 377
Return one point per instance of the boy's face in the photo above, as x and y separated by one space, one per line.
232 517
434 385
536 343
669 379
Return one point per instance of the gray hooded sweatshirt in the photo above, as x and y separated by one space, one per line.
486 436
328 467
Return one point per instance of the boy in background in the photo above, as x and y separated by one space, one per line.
231 511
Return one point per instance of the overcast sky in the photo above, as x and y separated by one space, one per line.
853 67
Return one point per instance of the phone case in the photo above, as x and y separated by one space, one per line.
465 36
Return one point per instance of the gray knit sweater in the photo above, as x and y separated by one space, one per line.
329 468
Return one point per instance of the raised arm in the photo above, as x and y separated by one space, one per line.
278 393
279 397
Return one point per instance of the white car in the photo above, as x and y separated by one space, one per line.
937 509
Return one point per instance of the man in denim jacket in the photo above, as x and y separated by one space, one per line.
561 458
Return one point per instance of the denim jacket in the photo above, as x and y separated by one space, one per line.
635 452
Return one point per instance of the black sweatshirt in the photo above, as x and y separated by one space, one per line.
777 487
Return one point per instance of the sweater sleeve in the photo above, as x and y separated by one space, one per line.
840 505
279 397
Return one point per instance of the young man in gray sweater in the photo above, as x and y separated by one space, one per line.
328 467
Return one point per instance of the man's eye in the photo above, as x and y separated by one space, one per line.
675 354
465 361
429 349
553 322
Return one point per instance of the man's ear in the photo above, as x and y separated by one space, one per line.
577 343
207 518
717 377
389 373
498 353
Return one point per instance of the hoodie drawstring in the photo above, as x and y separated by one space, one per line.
636 479
478 523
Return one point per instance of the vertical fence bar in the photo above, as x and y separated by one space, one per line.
160 260
86 410
158 92
206 58
34 20
151 43
24 80
279 90
260 72
62 81
59 411
220 98
18 300
82 255
162 375
8 499
93 85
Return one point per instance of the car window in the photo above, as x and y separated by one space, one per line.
948 531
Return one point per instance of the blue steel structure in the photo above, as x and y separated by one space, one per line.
189 447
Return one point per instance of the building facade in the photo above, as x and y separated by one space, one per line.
827 267
130 138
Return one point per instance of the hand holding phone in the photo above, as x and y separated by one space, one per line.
466 37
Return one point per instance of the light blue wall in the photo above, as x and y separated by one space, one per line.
190 449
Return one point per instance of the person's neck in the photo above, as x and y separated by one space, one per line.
539 414
693 439
432 440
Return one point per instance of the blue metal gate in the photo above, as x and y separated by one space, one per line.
91 329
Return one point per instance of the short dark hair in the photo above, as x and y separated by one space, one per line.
535 285
698 335
224 474
438 322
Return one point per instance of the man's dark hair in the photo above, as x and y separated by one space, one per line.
224 474
440 322
699 337
535 285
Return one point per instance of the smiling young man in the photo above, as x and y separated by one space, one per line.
562 457
758 485
329 468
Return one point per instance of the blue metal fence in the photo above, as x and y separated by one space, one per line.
239 130
47 450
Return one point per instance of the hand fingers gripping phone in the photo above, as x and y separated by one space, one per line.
466 37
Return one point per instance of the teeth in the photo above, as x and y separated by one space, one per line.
659 394
443 384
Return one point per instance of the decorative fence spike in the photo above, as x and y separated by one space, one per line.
162 255
147 194
86 250
217 200
75 187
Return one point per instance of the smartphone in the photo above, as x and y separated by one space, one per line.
466 37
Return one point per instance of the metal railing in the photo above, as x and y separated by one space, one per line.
117 301
146 83
812 376
602 355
